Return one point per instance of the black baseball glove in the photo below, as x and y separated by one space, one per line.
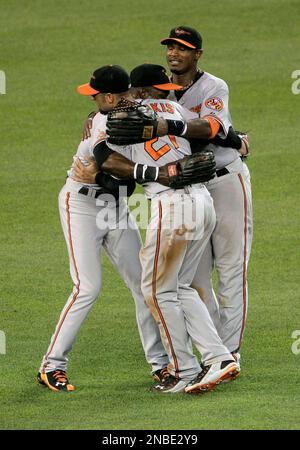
197 168
131 123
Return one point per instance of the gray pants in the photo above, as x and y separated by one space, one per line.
228 251
85 234
169 261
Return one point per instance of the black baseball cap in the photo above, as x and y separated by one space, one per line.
152 75
107 79
187 36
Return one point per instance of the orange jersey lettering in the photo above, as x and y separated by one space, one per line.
196 109
162 107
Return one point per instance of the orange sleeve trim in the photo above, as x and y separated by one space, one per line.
214 126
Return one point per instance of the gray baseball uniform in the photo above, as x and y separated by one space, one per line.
180 226
229 247
86 231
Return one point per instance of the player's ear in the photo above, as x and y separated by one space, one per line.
198 54
111 99
144 93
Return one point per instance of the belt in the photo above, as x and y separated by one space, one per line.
222 172
90 192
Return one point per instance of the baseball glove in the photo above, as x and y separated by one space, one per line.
131 123
197 168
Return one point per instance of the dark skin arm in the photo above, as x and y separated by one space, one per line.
196 128
122 167
116 164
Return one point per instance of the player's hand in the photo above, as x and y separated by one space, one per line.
245 148
163 176
87 126
85 173
162 127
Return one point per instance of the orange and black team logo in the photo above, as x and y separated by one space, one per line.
215 103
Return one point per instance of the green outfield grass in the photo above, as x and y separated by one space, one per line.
46 49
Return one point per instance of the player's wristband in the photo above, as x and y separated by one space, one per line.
143 173
176 127
232 140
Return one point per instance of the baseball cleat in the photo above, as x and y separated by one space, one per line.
212 375
170 385
39 380
56 381
237 358
160 375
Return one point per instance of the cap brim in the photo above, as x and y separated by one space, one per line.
180 41
168 87
86 89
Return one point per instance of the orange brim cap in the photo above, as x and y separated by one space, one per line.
168 87
86 89
187 44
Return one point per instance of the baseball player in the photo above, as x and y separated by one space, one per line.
80 206
171 253
229 247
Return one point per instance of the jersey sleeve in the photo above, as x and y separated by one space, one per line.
98 131
215 104
185 113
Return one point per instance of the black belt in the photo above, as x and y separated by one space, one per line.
90 192
222 172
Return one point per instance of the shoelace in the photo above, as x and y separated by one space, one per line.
164 374
60 375
203 372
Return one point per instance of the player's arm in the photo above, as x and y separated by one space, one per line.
206 131
107 161
195 128
90 173
118 165
143 124
191 169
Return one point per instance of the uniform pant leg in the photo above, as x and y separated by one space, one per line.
203 283
83 239
198 321
161 259
231 244
123 247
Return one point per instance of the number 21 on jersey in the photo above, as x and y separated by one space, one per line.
157 152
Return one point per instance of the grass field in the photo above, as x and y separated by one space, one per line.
46 49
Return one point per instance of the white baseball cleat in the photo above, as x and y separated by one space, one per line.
237 358
212 375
